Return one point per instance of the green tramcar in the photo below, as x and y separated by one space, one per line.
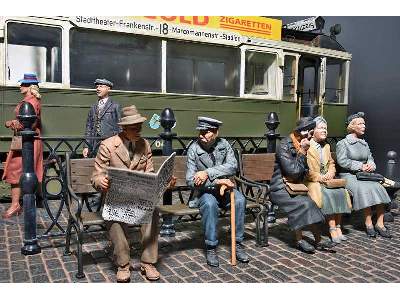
231 71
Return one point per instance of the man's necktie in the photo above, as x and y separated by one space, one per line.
130 149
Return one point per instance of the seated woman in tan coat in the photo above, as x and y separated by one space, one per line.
333 202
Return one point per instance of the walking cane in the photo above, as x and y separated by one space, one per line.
233 223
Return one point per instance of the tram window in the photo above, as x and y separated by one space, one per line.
202 69
260 78
33 48
289 78
335 81
130 62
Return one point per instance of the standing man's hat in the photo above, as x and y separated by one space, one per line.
103 81
29 78
205 123
130 116
360 114
305 123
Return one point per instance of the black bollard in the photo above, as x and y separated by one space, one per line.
28 181
390 174
167 122
391 165
272 122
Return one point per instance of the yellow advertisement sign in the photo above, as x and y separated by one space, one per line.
250 26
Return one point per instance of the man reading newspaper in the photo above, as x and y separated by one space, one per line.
128 150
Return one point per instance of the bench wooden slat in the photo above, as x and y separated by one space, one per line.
177 210
258 167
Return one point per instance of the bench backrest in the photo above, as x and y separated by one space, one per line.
79 173
179 168
257 167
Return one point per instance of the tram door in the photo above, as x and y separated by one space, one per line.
310 87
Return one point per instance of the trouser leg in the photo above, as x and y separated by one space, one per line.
149 234
208 205
117 234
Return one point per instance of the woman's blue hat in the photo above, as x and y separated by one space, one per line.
29 78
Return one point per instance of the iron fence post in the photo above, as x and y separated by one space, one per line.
167 121
28 180
271 122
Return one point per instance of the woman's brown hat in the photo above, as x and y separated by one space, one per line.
130 116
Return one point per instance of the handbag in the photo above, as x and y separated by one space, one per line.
369 176
335 183
295 189
16 143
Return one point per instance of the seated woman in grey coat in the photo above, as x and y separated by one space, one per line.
353 155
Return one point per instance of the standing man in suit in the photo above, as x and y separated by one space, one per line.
210 163
103 116
128 150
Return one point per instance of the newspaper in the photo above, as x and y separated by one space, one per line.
133 195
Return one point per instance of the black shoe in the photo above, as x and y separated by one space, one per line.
383 232
370 232
305 246
388 217
212 257
241 254
325 245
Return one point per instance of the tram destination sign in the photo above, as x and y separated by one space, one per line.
227 30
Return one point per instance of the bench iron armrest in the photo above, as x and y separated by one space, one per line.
265 185
75 215
258 192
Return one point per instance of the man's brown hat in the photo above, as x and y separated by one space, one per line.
130 116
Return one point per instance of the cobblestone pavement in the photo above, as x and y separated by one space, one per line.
182 260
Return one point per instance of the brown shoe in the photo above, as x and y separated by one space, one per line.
124 274
150 271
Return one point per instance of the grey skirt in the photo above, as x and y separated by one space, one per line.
365 193
301 210
334 201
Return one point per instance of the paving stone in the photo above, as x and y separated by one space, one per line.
193 266
321 279
53 264
20 276
57 274
174 279
225 277
193 279
4 274
40 278
278 276
37 269
18 266
96 277
183 272
246 278
205 275
303 279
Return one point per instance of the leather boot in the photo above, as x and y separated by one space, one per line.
211 256
124 274
305 246
150 271
241 255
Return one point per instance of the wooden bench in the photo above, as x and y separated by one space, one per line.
253 169
78 175
255 173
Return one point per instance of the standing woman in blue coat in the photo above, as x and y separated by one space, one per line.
353 155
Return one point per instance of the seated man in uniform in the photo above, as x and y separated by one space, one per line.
210 161
128 150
